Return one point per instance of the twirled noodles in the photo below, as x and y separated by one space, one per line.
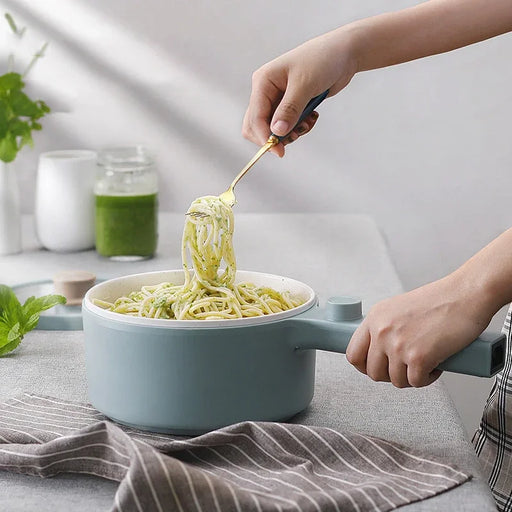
208 292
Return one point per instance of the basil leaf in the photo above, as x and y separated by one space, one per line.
31 322
22 105
10 306
19 116
4 331
43 107
8 148
18 127
14 333
11 82
10 346
10 338
16 320
33 307
4 119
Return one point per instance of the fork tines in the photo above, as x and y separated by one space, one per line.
197 215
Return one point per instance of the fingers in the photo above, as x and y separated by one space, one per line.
264 99
397 371
369 356
275 106
357 350
289 109
377 364
419 378
305 126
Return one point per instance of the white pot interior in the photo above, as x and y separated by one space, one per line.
114 288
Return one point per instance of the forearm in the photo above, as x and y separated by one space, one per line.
486 278
429 28
283 86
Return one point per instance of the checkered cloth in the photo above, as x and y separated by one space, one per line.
249 466
493 439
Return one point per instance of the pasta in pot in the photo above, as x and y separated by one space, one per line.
208 292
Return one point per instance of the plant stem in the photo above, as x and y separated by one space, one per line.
14 27
36 56
10 63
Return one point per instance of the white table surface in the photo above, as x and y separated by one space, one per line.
336 254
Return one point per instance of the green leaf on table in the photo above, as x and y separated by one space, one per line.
33 307
16 320
10 314
14 333
10 347
4 329
31 322
10 308
12 340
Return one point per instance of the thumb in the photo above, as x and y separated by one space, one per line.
289 110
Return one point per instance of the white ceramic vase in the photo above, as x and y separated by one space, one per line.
64 209
10 211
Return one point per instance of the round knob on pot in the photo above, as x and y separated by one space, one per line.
343 309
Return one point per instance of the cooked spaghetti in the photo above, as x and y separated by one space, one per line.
208 292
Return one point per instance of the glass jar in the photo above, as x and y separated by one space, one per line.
126 204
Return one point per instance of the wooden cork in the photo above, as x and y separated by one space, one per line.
73 284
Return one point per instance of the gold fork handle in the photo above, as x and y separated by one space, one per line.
271 142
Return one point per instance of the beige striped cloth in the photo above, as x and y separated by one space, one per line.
249 466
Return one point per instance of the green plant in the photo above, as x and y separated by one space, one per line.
16 319
19 115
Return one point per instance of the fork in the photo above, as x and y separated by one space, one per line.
228 197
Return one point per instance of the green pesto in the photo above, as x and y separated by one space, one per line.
126 225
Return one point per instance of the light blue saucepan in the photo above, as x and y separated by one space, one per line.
193 376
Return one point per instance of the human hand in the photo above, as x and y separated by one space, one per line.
403 339
282 88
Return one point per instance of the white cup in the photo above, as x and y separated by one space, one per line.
64 209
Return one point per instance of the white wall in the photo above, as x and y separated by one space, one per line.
423 147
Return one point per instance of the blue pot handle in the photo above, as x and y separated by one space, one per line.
332 328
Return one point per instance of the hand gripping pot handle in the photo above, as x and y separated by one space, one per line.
331 329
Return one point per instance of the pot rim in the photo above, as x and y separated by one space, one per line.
272 280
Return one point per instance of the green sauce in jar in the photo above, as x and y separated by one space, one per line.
126 225
126 192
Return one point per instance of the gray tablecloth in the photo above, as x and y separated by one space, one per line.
248 466
336 255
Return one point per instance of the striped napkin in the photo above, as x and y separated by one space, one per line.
249 466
